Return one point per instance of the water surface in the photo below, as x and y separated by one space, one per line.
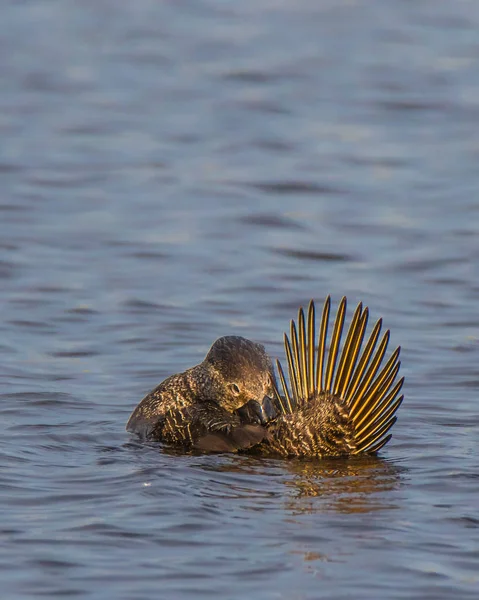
173 172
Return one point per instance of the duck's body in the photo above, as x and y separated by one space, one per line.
321 428
214 406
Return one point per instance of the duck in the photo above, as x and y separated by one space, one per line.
215 406
341 400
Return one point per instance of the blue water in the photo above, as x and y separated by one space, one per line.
171 172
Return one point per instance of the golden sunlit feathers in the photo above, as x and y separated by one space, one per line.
346 354
323 332
334 345
351 373
288 408
311 348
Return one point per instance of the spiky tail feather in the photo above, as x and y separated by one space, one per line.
350 374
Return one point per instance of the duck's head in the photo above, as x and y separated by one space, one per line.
243 370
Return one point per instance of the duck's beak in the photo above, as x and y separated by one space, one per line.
268 409
258 412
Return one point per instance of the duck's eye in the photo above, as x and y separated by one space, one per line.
235 389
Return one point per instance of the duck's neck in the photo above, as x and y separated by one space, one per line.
203 383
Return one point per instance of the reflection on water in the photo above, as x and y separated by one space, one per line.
342 485
356 485
313 498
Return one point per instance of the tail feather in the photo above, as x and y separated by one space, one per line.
363 446
302 354
323 332
334 346
350 373
376 391
364 360
311 347
365 382
288 407
374 425
374 449
377 408
347 354
294 370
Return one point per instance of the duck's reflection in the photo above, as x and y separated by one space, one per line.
318 510
321 488
353 485
343 485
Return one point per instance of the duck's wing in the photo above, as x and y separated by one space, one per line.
149 415
349 377
207 427
146 416
242 437
221 431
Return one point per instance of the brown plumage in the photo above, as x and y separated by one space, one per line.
341 403
214 406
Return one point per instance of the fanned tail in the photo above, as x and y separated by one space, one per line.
350 373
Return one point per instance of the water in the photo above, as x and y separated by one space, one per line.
176 171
